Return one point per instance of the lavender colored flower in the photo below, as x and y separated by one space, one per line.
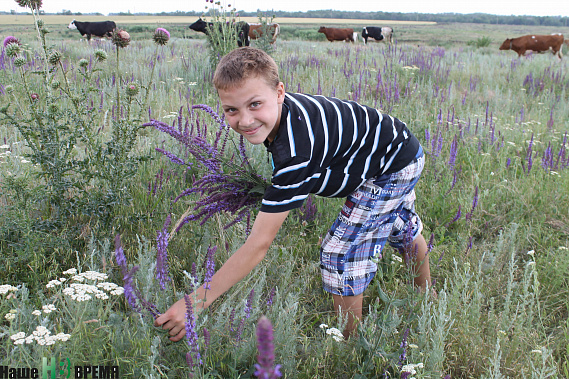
453 151
403 346
191 334
431 243
249 303
231 319
210 267
474 204
11 39
265 368
162 254
508 162
308 211
270 297
229 186
161 36
456 217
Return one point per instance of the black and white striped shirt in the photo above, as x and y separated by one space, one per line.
330 147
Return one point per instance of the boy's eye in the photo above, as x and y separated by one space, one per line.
255 104
230 110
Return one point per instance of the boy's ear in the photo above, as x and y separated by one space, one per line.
280 93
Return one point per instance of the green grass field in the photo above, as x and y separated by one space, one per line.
77 169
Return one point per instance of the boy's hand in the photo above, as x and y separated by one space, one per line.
174 320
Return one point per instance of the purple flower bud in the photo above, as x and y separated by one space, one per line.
266 359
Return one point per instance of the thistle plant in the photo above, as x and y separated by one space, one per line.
223 35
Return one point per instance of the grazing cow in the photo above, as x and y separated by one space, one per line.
536 43
337 34
97 29
378 34
256 30
241 28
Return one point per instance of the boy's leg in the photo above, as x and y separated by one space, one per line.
350 306
420 262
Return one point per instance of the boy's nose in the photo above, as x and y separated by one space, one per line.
246 119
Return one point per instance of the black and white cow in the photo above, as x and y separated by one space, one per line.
241 28
377 33
97 29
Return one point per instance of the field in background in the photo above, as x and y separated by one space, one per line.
417 33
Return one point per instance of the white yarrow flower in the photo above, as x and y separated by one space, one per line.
18 336
37 312
5 288
71 271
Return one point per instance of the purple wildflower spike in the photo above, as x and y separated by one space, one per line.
266 368
453 151
191 334
249 304
474 204
270 297
403 346
162 254
210 267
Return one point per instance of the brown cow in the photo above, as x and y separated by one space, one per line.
337 34
256 30
536 43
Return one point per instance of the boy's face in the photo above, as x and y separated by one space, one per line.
253 108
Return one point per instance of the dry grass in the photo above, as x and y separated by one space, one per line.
63 19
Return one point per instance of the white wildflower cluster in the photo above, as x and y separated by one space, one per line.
82 291
91 275
41 335
410 368
5 288
48 308
334 332
11 315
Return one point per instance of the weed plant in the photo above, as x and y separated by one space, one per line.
493 197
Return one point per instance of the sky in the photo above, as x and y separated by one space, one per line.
497 7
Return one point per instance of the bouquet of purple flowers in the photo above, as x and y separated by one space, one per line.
227 182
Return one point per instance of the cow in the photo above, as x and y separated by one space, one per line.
536 43
337 34
98 29
378 34
241 28
256 31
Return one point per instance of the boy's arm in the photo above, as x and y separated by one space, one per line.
240 264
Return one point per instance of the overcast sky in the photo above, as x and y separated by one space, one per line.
498 7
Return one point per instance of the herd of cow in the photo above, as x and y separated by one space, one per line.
247 32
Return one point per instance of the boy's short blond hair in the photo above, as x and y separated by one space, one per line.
243 63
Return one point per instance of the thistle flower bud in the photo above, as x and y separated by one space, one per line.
10 39
83 62
53 108
100 55
13 49
40 23
132 89
19 61
9 88
55 84
161 36
35 96
55 57
121 38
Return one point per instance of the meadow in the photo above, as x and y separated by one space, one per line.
94 243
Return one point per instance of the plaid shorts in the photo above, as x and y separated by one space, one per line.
380 210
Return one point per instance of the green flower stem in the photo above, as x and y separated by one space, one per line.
117 82
148 87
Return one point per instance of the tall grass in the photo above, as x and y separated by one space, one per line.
493 195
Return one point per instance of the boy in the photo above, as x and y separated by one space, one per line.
329 147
